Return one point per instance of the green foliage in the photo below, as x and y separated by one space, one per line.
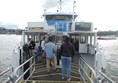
105 33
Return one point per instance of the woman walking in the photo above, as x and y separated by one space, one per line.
66 53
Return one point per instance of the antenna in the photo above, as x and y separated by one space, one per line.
60 2
73 18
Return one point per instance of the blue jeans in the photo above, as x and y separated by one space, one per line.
66 66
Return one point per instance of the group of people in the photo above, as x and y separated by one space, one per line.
66 52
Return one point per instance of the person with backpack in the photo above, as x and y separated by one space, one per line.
32 45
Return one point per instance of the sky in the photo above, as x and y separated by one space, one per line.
102 13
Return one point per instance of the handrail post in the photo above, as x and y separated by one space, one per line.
106 77
84 73
19 77
80 70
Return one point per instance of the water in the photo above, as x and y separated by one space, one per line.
8 42
110 48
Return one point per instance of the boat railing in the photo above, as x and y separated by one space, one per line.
87 73
105 78
5 71
19 76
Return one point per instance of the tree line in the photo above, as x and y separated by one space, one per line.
106 33
19 31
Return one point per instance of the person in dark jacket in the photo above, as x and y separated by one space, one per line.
32 45
66 53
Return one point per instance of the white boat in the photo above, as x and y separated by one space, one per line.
88 66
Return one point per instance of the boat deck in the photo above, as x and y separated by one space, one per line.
40 74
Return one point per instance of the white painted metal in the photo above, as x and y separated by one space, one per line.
82 48
15 58
36 24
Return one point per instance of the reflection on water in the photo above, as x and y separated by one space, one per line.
8 42
110 48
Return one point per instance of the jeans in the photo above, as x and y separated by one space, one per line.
66 66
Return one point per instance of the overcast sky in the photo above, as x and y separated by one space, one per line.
103 13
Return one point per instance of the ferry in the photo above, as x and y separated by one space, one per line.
88 65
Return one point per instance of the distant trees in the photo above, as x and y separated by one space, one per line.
105 33
11 31
19 31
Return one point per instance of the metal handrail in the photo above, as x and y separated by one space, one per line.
24 74
15 71
87 65
106 77
5 71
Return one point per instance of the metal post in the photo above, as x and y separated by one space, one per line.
23 38
60 2
80 69
96 62
45 15
73 23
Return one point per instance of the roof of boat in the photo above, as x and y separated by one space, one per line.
60 13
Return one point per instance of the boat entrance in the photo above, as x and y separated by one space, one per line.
82 71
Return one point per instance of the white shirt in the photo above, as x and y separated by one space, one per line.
43 44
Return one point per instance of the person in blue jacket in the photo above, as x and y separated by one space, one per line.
39 53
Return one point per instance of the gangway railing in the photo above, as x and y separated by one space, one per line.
19 78
105 78
5 71
87 73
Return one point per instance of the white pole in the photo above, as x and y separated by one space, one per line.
45 15
73 23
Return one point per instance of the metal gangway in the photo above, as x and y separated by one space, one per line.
83 67
90 77
86 73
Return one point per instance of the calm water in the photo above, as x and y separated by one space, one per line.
110 48
8 42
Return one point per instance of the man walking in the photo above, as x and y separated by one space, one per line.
50 50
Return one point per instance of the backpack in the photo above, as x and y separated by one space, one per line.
25 47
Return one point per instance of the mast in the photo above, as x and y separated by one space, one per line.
60 2
73 18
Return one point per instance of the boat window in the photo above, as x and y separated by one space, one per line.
82 39
49 17
59 17
58 39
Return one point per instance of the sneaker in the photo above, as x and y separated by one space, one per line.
68 79
56 70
